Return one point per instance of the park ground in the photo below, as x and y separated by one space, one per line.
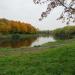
57 58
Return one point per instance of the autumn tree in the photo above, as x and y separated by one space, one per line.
68 13
10 26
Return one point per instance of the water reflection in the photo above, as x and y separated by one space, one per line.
25 42
41 40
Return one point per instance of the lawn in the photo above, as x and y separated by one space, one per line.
59 60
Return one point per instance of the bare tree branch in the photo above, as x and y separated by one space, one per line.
69 9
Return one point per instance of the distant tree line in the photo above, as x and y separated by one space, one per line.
10 26
66 32
45 32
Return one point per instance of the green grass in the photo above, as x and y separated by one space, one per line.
59 60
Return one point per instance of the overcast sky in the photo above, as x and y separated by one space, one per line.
27 11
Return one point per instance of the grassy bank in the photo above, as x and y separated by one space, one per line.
58 60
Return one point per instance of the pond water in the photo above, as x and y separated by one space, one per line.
42 40
25 42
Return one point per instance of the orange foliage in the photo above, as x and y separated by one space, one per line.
8 26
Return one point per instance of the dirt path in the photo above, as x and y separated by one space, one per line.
39 47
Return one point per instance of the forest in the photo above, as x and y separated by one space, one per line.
11 27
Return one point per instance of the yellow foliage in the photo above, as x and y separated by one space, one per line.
8 26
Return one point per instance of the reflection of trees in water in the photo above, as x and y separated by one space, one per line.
17 43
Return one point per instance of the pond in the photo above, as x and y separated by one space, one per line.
42 40
25 42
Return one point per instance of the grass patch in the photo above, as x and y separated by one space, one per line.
52 61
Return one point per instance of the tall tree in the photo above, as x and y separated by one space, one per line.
69 9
